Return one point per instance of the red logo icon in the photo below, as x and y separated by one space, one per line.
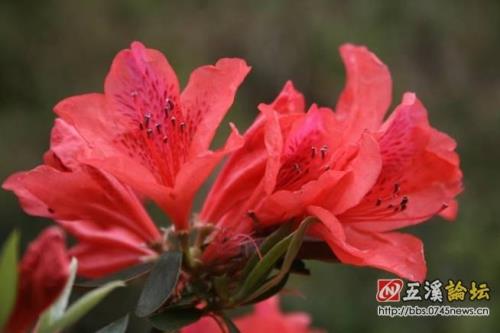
389 290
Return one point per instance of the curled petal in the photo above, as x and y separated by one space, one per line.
399 253
420 173
367 93
89 204
289 100
208 96
363 169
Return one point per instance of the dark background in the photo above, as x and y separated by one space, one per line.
446 51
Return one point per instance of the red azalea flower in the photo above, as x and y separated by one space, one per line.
148 134
362 178
43 273
112 227
267 317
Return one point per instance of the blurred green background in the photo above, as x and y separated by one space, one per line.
446 51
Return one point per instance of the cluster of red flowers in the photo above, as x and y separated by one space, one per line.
362 177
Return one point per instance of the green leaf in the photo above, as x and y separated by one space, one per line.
175 319
125 275
230 325
271 292
291 253
288 247
118 326
262 269
8 276
221 286
160 283
267 245
82 306
56 310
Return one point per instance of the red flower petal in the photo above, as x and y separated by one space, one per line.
192 176
43 273
284 205
141 81
267 317
96 260
364 169
148 136
87 114
67 145
367 93
289 100
87 202
420 173
395 252
246 167
207 98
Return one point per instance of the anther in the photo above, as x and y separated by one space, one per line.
313 152
323 151
182 126
147 118
173 121
296 167
133 93
149 131
165 139
251 214
158 128
404 201
169 105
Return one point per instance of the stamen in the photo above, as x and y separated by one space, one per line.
169 105
165 139
182 126
323 151
158 128
147 118
313 152
173 121
149 131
